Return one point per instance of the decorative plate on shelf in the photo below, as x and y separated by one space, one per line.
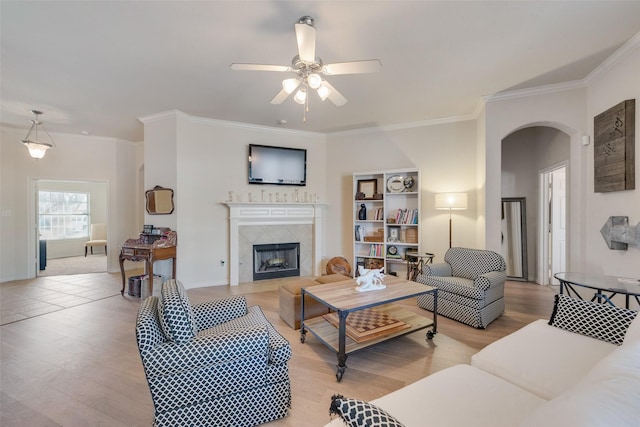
395 184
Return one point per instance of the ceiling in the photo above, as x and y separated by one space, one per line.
96 66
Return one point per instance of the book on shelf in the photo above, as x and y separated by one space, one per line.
406 216
379 214
375 250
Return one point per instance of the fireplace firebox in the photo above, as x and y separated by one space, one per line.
276 260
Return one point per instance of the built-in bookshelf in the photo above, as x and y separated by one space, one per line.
386 219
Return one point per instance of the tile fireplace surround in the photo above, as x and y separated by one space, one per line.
257 223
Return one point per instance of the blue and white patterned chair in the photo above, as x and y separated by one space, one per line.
217 363
470 286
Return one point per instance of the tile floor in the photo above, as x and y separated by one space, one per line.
22 299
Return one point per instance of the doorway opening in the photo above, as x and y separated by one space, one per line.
63 213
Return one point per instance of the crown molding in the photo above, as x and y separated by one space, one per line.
162 116
540 90
617 56
624 51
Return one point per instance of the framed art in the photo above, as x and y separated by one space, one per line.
394 234
369 187
614 148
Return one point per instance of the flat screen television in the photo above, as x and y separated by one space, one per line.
277 165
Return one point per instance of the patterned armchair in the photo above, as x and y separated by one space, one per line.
470 286
218 363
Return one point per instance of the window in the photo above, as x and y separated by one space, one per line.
63 215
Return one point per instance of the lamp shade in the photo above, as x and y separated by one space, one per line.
289 85
37 150
301 96
451 201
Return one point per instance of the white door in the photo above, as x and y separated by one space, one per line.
558 224
552 251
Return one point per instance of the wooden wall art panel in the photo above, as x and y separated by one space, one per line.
614 148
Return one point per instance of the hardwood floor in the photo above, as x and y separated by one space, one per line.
80 366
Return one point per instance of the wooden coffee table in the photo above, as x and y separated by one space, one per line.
342 298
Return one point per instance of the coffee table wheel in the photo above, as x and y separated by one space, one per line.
340 373
430 335
303 335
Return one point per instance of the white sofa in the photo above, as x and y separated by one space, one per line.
540 375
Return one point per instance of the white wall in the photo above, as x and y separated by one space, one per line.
618 83
75 158
572 111
566 111
211 160
436 150
203 159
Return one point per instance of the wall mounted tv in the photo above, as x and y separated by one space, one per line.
277 165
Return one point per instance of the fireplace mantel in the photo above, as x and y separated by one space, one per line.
241 214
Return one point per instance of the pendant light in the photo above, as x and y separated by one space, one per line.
37 149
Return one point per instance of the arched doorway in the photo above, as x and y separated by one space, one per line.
527 152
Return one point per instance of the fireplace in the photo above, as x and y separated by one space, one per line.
271 261
262 223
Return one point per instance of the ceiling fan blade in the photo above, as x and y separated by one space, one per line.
259 67
353 67
280 97
334 96
306 37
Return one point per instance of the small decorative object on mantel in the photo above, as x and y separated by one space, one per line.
614 148
619 234
370 280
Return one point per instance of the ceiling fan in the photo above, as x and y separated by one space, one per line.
310 70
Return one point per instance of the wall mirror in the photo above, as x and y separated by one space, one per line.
159 201
514 237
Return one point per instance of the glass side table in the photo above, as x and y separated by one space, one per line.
629 287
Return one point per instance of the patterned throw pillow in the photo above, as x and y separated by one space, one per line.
600 321
176 315
357 413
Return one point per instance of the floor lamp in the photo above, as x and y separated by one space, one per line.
451 202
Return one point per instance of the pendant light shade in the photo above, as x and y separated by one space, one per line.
37 148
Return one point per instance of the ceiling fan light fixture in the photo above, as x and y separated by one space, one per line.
323 92
314 80
289 85
301 96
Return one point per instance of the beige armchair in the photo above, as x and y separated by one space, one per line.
98 237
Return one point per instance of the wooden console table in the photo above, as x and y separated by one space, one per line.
135 250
